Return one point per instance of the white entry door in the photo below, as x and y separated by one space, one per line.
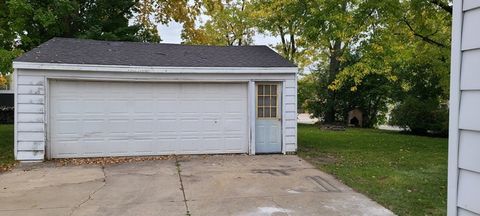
268 123
92 119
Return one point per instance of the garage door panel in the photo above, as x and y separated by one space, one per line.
166 125
65 127
232 143
67 106
119 118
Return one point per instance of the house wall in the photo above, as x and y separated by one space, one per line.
464 139
31 134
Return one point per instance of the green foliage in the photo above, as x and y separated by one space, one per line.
306 91
7 159
372 97
36 21
358 42
24 24
229 23
6 58
405 173
284 19
107 20
420 98
421 117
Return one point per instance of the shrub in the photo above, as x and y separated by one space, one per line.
422 117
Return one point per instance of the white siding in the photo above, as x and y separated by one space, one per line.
470 70
30 106
290 115
463 212
469 150
470 4
468 191
464 141
469 106
471 31
32 99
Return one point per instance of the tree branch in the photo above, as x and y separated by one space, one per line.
423 37
443 5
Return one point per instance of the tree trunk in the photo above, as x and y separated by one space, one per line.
333 69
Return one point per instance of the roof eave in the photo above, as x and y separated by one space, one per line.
150 69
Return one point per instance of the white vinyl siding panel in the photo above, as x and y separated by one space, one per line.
470 70
31 146
469 190
30 118
290 114
471 30
469 150
30 106
464 149
470 4
30 155
91 119
30 127
469 106
463 212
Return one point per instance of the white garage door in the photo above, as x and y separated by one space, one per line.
90 119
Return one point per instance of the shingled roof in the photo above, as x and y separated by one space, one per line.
81 51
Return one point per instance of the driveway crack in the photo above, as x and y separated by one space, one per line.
179 171
90 196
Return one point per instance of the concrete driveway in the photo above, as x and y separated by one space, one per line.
190 185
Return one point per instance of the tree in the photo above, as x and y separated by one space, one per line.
229 23
306 91
27 23
151 12
284 19
336 28
389 40
107 20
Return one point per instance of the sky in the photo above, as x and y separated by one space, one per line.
171 34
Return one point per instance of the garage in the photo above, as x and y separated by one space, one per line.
121 118
85 98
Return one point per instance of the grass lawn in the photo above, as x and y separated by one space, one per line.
6 146
405 173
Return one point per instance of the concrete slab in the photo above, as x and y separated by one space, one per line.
60 196
234 206
36 212
268 185
213 185
143 209
47 176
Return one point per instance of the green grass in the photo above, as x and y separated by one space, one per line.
6 146
406 174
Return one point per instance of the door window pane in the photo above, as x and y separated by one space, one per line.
267 101
267 90
267 113
260 89
260 112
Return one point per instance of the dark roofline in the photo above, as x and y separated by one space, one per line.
128 53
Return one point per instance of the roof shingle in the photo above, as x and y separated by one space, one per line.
81 51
